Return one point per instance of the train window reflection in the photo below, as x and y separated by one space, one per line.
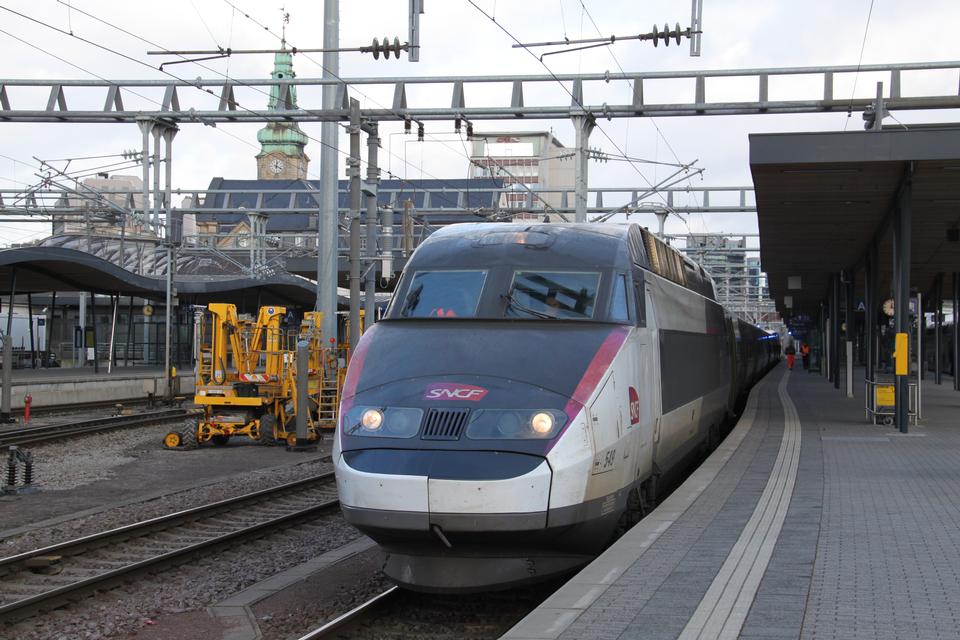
552 294
618 304
443 294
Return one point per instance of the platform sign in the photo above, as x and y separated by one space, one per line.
885 396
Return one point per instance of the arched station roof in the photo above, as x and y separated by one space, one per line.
43 269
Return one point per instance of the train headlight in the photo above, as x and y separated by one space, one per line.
382 422
372 419
512 424
541 423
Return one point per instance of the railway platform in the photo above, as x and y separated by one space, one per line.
66 386
807 522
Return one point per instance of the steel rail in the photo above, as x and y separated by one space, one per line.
361 610
38 434
76 406
24 607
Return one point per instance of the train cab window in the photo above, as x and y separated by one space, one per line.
552 294
618 301
443 294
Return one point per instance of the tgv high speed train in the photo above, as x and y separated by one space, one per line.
528 386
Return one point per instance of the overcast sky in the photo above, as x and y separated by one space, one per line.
457 39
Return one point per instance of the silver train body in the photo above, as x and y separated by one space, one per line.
524 394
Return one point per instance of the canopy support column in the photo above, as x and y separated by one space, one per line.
901 278
8 353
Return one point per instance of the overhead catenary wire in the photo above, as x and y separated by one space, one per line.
863 44
295 50
353 88
573 97
651 119
174 76
205 25
470 159
95 75
414 186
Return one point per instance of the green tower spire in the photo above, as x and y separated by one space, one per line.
283 140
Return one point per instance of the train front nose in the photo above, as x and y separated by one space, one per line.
451 521
392 494
451 478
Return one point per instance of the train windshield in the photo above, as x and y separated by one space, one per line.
553 294
443 294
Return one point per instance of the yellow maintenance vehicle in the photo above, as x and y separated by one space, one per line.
246 378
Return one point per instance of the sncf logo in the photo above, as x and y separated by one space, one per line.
634 405
454 391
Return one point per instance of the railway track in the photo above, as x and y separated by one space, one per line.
399 614
52 576
34 435
367 609
48 409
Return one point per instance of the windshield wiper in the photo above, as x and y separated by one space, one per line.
516 304
411 301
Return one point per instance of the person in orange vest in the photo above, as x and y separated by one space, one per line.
805 355
791 352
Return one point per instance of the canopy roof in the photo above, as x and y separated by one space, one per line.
822 198
42 269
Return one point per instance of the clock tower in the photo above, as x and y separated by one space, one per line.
282 155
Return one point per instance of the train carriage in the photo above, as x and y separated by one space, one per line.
526 390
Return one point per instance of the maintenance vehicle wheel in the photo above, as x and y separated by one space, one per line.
188 436
268 426
220 440
171 440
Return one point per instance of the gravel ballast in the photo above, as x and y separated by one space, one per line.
205 581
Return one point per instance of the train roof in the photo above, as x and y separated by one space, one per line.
588 245
577 245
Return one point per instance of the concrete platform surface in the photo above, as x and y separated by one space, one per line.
59 386
807 522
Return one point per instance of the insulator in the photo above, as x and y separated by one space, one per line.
406 126
666 34
386 48
469 129
420 131
656 35
376 49
456 125
396 47
678 34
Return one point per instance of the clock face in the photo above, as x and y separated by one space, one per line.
888 307
276 165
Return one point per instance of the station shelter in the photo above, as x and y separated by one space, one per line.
860 240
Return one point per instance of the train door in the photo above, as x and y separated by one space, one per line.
606 424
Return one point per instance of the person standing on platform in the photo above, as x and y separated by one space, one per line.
791 352
805 355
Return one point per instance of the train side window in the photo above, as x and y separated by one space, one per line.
619 304
692 277
639 298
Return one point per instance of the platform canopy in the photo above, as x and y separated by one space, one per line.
823 198
45 269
